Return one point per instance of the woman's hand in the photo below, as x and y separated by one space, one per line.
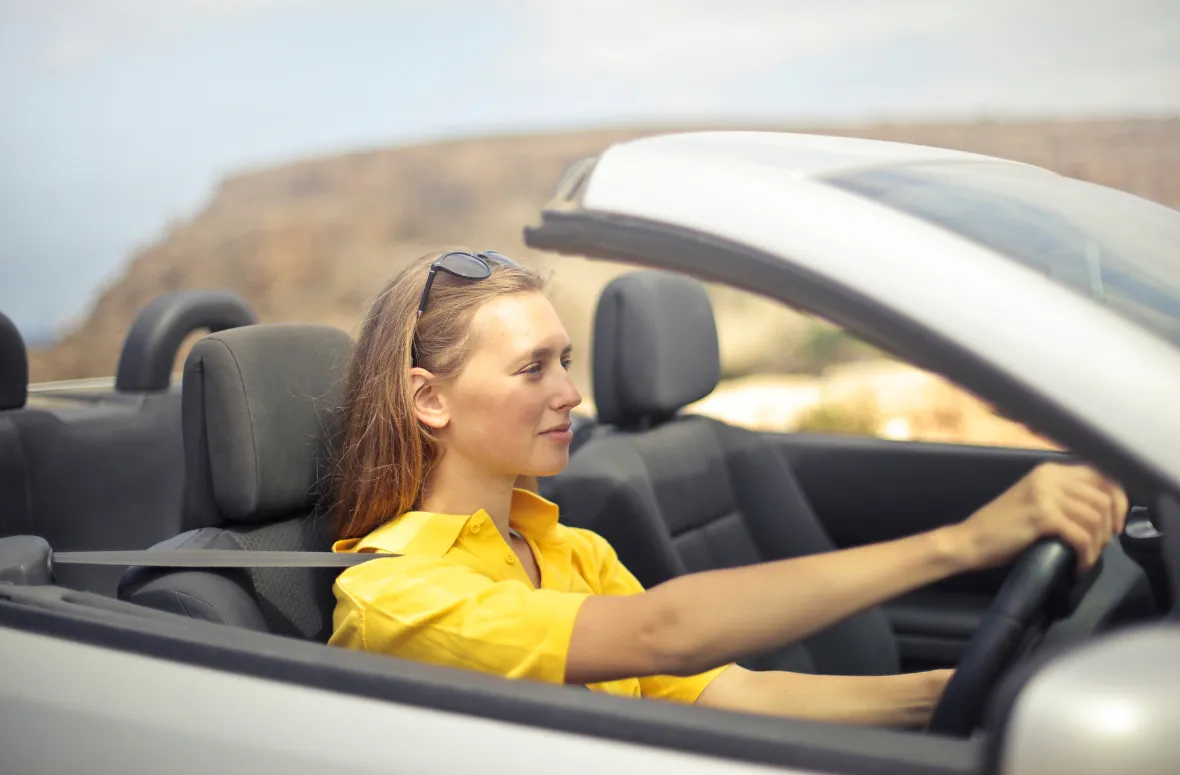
1071 502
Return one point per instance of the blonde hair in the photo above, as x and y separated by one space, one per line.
385 453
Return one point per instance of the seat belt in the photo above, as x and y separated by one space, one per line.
216 558
222 558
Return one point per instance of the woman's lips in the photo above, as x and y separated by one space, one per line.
561 433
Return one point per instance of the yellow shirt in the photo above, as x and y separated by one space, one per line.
459 597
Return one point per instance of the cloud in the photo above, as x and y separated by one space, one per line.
644 38
622 57
1104 56
72 34
927 55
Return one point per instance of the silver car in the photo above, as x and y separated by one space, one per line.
1055 300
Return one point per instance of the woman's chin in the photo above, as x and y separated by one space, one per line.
551 466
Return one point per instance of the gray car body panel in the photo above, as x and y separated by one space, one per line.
70 708
1107 708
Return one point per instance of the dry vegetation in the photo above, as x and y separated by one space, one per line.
313 240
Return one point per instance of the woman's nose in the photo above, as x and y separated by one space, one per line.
569 396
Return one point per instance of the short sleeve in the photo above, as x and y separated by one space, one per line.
615 579
438 611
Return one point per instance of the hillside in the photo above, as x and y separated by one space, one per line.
313 240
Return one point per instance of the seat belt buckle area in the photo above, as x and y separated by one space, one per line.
28 560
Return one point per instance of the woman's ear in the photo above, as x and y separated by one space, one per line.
430 406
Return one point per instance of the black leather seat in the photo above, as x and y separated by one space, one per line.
14 388
86 476
676 493
260 404
14 366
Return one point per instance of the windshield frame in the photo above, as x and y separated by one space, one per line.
1104 244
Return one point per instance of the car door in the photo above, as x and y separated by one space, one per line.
866 490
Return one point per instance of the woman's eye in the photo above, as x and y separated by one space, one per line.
535 369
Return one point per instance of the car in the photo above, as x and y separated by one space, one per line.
1055 300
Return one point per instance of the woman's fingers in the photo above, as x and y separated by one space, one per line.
1122 505
1080 539
1119 503
1066 503
1090 529
1093 495
1099 507
1072 502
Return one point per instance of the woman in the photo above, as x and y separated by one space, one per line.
459 392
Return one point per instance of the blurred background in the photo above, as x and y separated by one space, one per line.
299 151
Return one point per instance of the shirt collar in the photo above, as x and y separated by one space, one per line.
433 534
533 515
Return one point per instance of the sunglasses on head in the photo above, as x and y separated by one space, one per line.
468 266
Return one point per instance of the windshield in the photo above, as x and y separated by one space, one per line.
1117 249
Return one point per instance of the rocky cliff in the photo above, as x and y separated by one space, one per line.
313 240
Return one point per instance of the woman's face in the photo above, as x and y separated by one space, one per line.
508 409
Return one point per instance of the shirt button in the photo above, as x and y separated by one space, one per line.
475 528
510 559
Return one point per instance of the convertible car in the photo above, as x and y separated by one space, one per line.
165 597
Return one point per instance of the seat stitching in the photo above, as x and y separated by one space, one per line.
180 598
250 421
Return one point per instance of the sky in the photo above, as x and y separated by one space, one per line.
118 118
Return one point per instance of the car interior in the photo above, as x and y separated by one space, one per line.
98 468
237 458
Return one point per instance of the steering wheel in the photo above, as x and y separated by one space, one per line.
1026 598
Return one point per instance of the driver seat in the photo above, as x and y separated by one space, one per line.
259 408
676 493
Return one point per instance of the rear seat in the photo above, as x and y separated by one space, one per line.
104 471
14 381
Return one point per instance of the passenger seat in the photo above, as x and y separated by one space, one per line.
260 406
676 493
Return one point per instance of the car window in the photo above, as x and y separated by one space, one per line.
1116 249
786 371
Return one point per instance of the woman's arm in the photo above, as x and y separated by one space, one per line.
905 700
697 622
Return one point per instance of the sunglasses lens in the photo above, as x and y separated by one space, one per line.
463 265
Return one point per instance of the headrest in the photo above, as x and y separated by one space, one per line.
655 347
14 366
260 405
